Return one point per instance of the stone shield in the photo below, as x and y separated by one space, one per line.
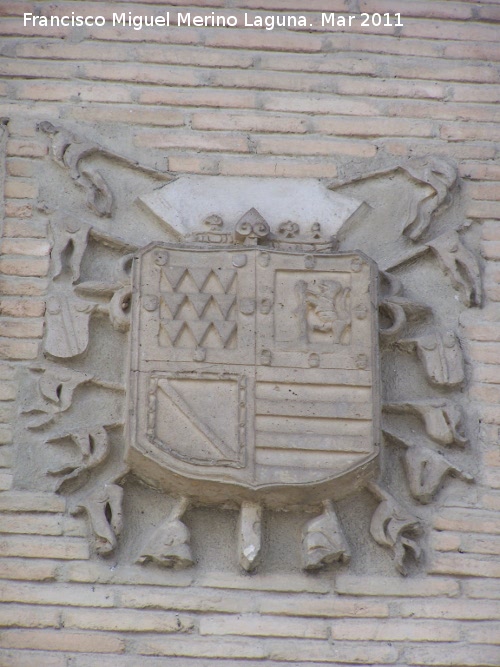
253 372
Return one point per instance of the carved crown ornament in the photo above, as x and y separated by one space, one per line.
274 352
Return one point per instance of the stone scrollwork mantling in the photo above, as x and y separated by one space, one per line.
194 319
394 527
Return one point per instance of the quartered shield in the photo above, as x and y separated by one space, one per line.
254 372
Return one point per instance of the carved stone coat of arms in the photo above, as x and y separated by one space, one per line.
250 331
254 369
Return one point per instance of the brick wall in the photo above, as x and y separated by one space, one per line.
243 101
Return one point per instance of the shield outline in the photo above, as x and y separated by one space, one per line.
158 468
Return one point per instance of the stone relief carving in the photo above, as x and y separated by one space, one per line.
398 310
250 535
441 357
460 266
103 506
323 541
93 448
170 543
426 469
443 419
252 373
324 307
395 528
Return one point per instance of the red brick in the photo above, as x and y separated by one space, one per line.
467 520
23 265
202 141
488 191
18 349
482 588
67 51
20 328
148 35
312 146
483 209
476 93
443 30
8 391
23 658
248 122
53 593
6 481
286 167
72 92
319 104
341 64
32 547
186 55
259 626
131 115
26 69
5 437
126 620
98 571
491 501
20 189
26 148
449 71
20 167
25 501
477 151
22 616
427 10
485 633
191 163
16 28
396 630
23 229
465 656
374 127
487 373
267 80
465 565
62 640
470 132
471 544
258 40
370 585
202 97
450 609
17 210
489 13
132 73
25 246
203 648
477 50
438 110
389 88
14 286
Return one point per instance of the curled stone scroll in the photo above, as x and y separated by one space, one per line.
442 176
93 448
393 527
67 151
